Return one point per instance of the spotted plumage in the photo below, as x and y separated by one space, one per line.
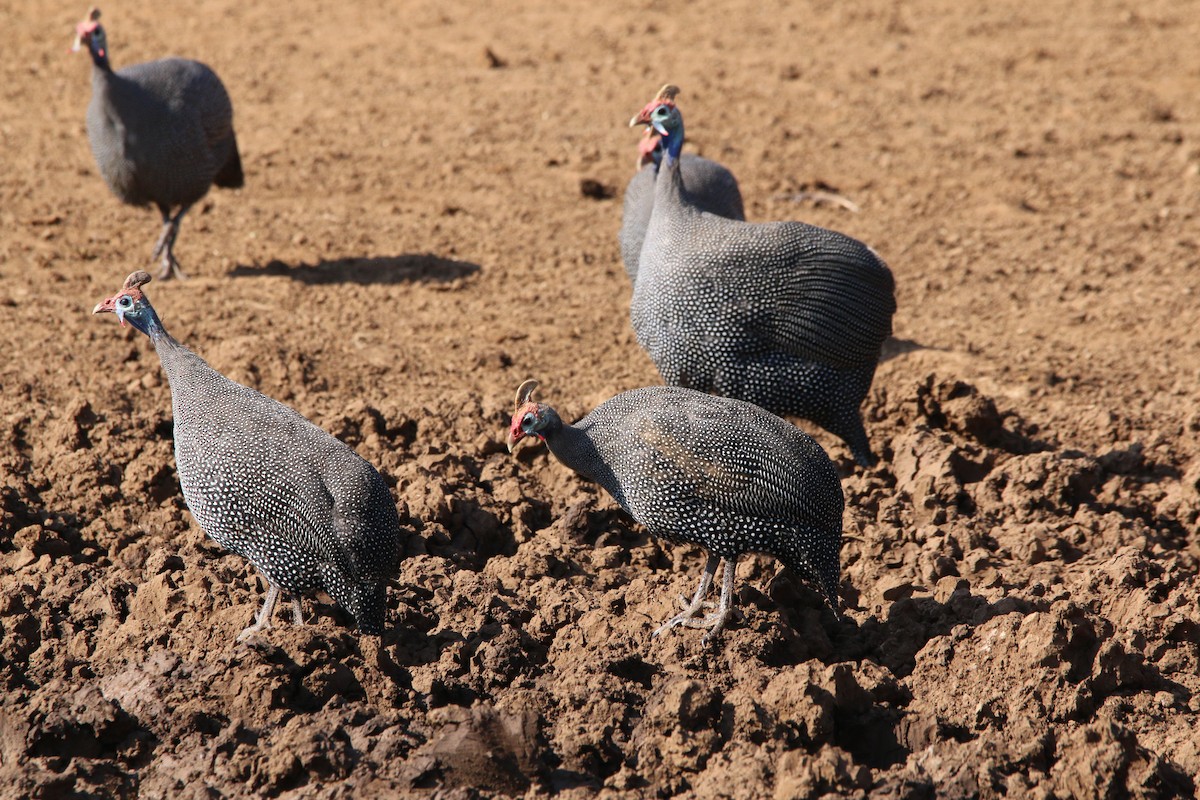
306 510
720 473
784 315
710 187
161 132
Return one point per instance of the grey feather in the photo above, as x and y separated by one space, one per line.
713 471
161 131
710 186
162 134
264 482
785 315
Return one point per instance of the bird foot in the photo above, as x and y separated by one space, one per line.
253 629
673 622
170 268
264 621
715 622
164 250
685 603
686 617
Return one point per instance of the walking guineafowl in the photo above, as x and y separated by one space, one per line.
161 132
781 314
713 471
711 187
266 483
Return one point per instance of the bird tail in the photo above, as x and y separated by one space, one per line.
365 600
371 604
230 176
815 557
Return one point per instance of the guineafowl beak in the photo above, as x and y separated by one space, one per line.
512 439
643 118
84 30
110 305
77 44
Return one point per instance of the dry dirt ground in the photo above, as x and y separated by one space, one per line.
1020 571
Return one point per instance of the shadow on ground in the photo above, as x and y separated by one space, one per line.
408 268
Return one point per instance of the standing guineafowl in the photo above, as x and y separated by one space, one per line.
711 187
712 471
161 132
266 483
782 314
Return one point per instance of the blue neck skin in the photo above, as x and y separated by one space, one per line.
671 143
99 53
146 320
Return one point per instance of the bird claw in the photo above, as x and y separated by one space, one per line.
163 249
673 622
170 268
263 620
687 617
715 623
251 630
685 604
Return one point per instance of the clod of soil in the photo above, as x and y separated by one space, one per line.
416 238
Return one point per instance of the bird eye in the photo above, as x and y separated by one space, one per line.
527 421
125 302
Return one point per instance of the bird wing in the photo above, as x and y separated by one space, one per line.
250 463
710 458
365 522
190 89
309 527
831 299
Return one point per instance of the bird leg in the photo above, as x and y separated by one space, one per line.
297 611
715 621
693 608
263 620
165 245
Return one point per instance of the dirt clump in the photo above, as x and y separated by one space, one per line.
423 228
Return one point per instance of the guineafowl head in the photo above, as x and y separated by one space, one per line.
662 117
91 33
531 418
131 306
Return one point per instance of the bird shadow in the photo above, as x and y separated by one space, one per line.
406 268
893 347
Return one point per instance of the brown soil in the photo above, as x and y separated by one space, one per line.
416 237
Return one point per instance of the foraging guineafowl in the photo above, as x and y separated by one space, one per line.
784 315
710 186
266 483
161 132
712 471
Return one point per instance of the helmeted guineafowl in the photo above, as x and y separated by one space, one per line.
710 186
161 132
306 510
713 471
783 314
